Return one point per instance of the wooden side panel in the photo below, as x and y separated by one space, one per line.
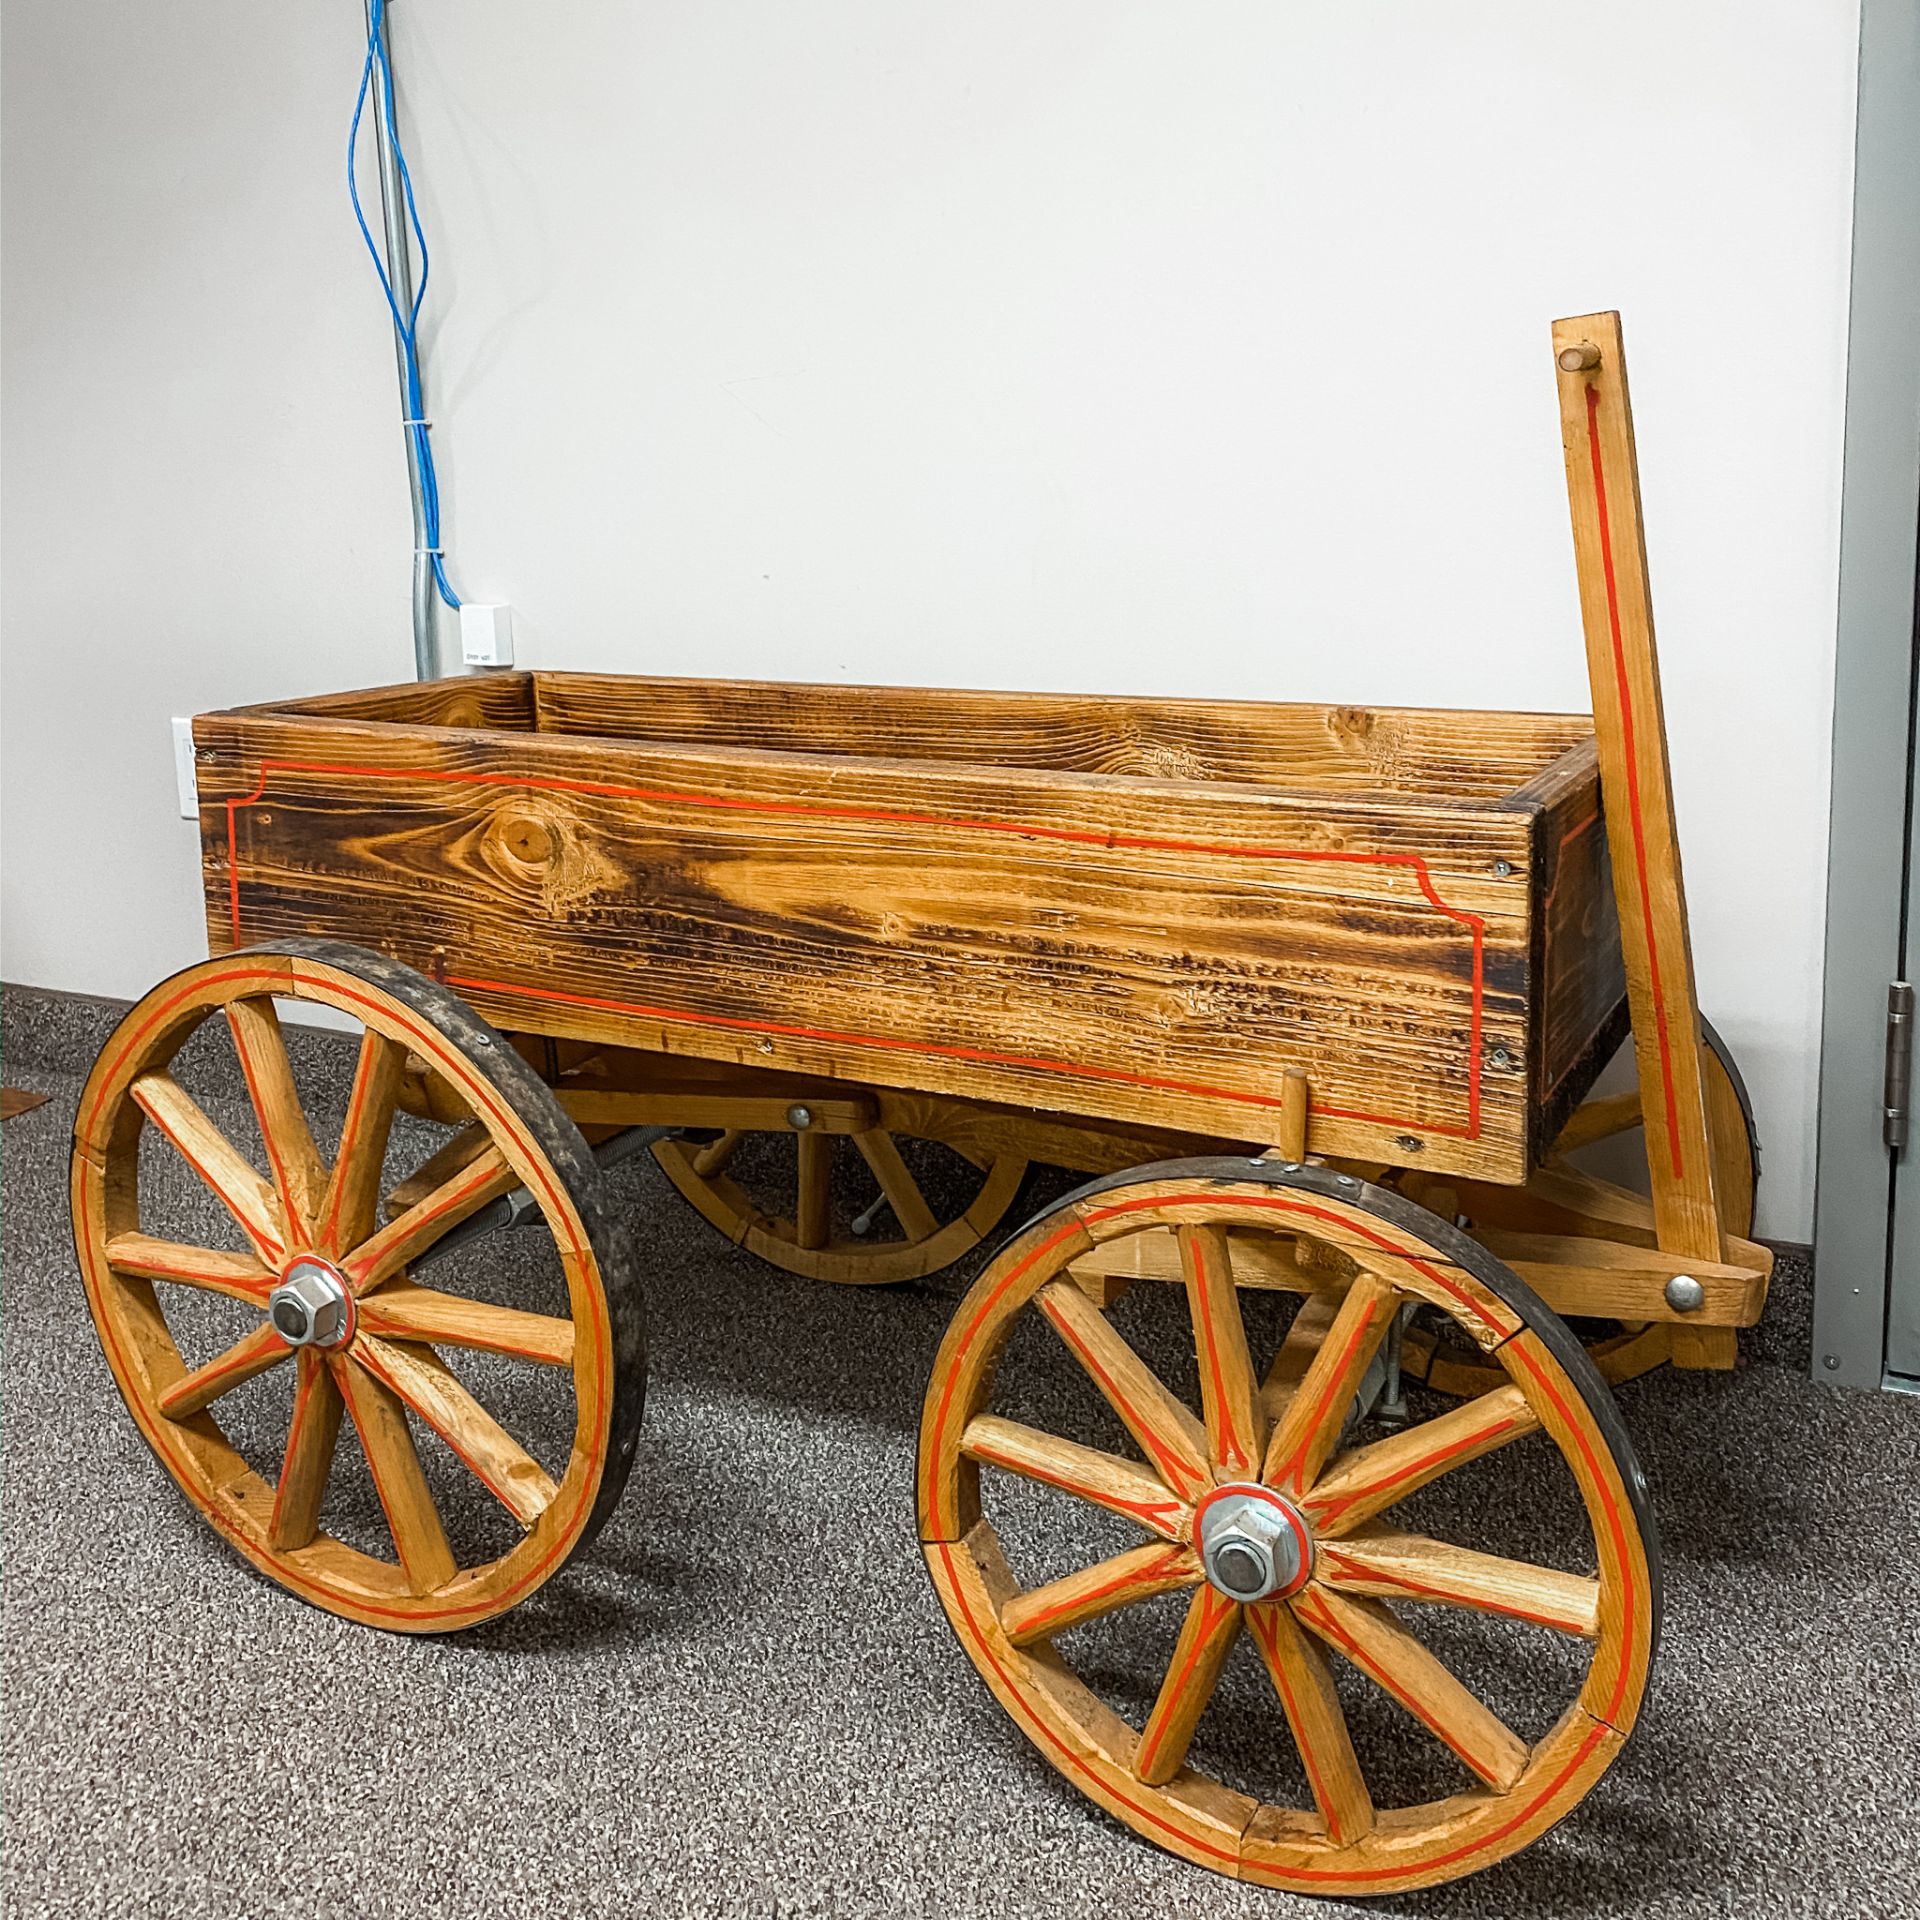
1351 749
1580 1013
1152 953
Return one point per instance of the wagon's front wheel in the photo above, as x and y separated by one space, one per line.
294 1327
1298 1649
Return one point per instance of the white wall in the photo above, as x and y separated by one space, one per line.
1075 345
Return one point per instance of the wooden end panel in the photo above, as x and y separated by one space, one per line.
1155 955
1579 1003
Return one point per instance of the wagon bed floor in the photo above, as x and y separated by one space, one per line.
744 1698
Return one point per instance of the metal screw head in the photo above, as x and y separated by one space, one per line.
1503 869
1500 1057
311 1306
800 1118
1409 1143
1685 1294
1249 1545
1831 1363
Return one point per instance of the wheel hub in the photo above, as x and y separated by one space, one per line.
311 1307
1253 1544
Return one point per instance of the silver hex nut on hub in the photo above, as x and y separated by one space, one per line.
311 1306
1251 1545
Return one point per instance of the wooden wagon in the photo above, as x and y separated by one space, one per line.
1319 995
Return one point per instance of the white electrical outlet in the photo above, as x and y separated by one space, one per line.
184 776
486 634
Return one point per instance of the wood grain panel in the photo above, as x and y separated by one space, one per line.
1365 749
1153 952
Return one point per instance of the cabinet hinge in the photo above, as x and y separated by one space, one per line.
1899 1082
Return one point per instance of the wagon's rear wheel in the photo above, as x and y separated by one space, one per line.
863 1209
1260 1635
1730 1126
372 1431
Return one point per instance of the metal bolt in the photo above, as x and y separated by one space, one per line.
1685 1294
311 1306
1503 869
800 1118
1831 1363
1345 1180
1248 1546
1500 1057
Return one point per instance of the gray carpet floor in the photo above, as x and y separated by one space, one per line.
743 1698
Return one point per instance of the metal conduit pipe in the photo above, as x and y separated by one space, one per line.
393 215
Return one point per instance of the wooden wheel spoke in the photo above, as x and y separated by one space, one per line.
1116 1484
1304 1682
1364 1632
237 1275
196 1391
431 1389
1229 1389
404 1311
1127 1578
1406 1566
1601 1119
1206 1637
717 1155
1173 1440
1309 1429
882 1153
311 1438
813 1203
238 1188
412 1519
353 1190
298 1172
1372 1478
433 1215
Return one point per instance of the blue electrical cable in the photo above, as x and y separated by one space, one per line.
406 326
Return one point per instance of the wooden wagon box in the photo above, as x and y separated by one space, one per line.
1130 909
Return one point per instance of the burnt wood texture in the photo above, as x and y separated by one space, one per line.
1139 911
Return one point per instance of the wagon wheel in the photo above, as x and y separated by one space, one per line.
331 1302
1264 1511
1730 1126
782 1206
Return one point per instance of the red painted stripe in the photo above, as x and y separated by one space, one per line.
1227 1446
1323 1511
1143 1577
1264 1630
296 1229
471 1180
1624 690
1289 1471
1172 1468
1215 1610
1414 863
1359 1570
1142 1510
